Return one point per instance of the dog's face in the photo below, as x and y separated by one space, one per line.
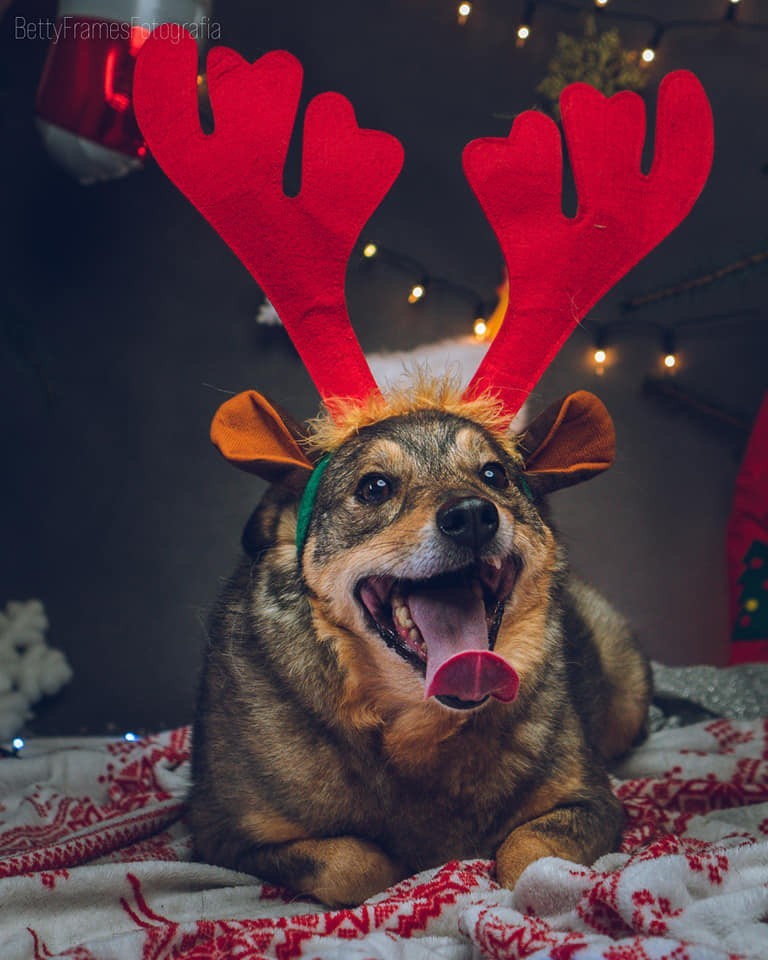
423 551
425 544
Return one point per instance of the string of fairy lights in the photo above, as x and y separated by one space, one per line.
604 335
423 282
17 744
657 28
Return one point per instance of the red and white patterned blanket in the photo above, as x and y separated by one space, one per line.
95 865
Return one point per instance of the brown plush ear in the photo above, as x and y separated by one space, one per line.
571 441
251 433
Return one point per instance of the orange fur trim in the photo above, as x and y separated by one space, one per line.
425 392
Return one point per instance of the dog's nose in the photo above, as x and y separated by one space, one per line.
470 521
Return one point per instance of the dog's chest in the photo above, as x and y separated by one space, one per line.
456 807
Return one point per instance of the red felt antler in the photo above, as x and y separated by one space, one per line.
559 267
297 248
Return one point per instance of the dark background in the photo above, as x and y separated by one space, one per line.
126 321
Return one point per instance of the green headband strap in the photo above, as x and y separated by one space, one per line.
523 484
307 502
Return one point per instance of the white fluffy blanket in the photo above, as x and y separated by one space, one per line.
96 866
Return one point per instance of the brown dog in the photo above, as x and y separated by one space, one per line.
401 672
354 725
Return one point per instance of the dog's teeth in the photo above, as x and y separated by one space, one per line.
414 636
403 616
495 562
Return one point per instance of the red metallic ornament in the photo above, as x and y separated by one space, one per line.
85 97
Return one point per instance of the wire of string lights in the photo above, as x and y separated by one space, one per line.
657 28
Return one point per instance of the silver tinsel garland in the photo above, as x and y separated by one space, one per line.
690 694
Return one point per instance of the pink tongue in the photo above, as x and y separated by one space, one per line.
459 664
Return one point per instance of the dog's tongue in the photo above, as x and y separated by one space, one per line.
452 622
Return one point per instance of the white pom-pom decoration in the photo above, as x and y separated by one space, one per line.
29 668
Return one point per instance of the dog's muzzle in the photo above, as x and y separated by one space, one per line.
446 625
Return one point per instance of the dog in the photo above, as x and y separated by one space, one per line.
402 671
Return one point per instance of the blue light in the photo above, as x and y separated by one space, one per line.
17 743
130 737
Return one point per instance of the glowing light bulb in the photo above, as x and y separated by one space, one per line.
370 250
601 3
599 356
130 737
417 292
17 743
523 32
463 11
670 360
648 55
480 327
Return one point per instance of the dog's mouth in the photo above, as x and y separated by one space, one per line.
446 627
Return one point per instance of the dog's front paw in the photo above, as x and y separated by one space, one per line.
347 871
521 848
581 832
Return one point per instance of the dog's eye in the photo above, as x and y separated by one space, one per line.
374 488
494 475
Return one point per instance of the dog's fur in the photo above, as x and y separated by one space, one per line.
318 761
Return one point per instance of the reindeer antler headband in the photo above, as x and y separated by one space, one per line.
297 248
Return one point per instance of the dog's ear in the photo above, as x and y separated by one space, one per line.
256 436
571 441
